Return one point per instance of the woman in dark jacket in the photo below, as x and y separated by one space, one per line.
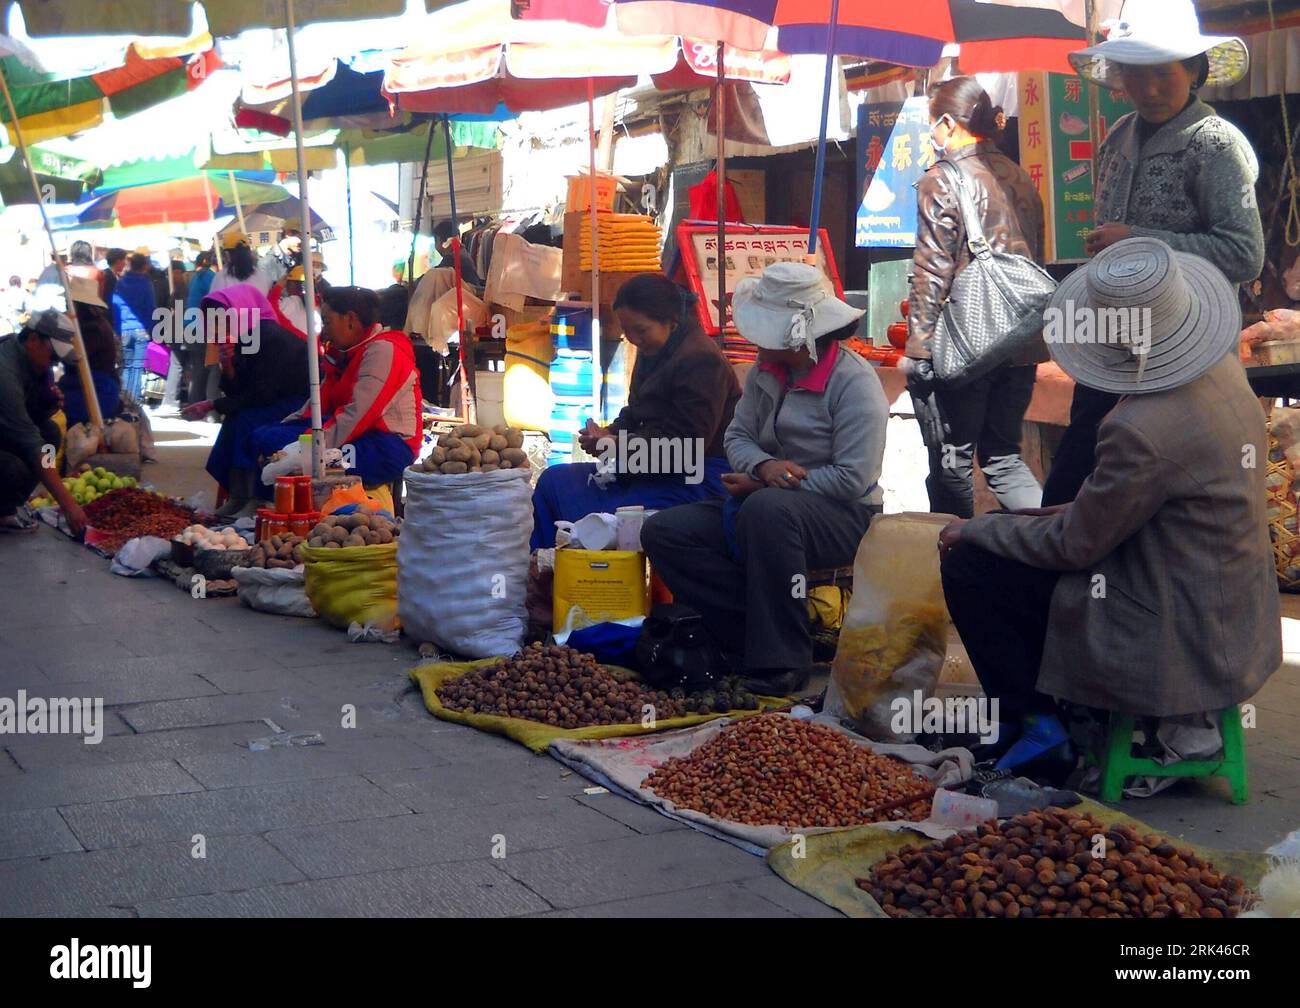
1171 170
681 398
980 420
101 353
264 378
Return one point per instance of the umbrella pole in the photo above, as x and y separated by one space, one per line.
419 209
239 206
597 371
814 218
83 363
1094 98
308 274
347 186
467 401
720 174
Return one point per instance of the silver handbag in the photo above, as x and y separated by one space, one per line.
994 309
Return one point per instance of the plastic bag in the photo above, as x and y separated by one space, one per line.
357 584
122 437
356 496
80 442
463 575
895 634
283 592
602 585
289 464
137 555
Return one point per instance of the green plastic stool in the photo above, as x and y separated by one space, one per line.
1118 762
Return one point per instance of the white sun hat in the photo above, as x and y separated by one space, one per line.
1160 319
789 307
1151 32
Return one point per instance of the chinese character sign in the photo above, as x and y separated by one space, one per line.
894 152
1056 151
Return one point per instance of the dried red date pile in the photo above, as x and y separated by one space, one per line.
557 686
127 513
1041 864
772 770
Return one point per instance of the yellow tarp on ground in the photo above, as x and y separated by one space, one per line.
835 861
533 734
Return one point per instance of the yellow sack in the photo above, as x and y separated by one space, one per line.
895 632
603 585
354 584
537 735
827 605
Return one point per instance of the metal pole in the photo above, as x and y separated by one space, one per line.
467 397
347 185
308 274
83 363
814 218
419 209
597 372
1094 103
720 175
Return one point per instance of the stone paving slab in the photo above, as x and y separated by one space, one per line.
720 900
639 866
36 752
469 834
467 889
289 712
230 811
478 784
75 785
342 753
124 877
116 689
34 832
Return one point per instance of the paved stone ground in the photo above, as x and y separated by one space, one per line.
397 816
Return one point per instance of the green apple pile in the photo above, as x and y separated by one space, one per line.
89 485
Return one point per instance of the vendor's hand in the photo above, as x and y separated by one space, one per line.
1105 236
198 410
291 245
951 535
591 434
782 474
740 484
75 517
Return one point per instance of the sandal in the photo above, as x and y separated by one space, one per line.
18 522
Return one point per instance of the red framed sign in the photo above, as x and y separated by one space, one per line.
751 248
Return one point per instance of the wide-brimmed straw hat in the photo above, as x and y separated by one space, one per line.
1142 318
1151 32
85 291
789 307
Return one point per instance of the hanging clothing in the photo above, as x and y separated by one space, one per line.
703 198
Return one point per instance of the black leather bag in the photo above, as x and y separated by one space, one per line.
675 649
994 309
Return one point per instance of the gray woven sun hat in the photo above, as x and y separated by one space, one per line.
1142 318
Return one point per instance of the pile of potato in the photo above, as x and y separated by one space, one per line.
280 551
340 531
471 448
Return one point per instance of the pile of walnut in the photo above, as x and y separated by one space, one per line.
278 552
470 448
340 531
1046 864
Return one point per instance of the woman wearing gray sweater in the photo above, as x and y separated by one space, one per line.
806 446
1171 170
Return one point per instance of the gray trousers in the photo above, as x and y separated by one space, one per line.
978 421
757 609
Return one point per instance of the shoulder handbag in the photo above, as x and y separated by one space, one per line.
675 650
995 305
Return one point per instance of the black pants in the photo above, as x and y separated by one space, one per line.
755 609
1077 454
18 477
1000 608
980 421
